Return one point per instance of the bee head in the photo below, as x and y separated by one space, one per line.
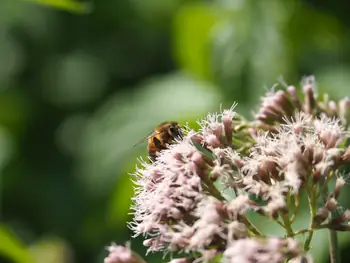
175 130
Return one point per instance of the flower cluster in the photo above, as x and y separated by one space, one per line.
302 154
263 250
196 197
281 105
173 192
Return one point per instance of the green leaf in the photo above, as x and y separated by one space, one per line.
68 5
192 33
11 247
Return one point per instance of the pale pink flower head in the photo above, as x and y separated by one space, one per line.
329 131
122 254
167 191
217 128
274 105
269 250
282 161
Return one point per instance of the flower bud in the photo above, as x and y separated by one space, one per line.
292 92
331 204
227 117
309 93
339 183
268 170
121 254
332 106
321 215
213 141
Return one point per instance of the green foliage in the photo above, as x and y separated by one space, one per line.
193 26
69 5
12 248
81 84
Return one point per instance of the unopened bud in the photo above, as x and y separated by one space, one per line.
213 141
196 138
267 170
283 103
321 215
331 204
339 183
332 107
309 93
227 122
292 92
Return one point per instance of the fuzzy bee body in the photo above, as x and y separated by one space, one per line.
164 134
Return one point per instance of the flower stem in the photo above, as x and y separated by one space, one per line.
308 240
296 208
333 247
252 227
312 206
214 192
211 188
287 224
306 230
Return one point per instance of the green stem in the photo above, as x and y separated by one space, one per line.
287 224
312 206
214 192
211 188
334 252
252 227
306 230
333 247
280 223
296 208
308 240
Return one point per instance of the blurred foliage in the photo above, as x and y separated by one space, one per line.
82 81
69 5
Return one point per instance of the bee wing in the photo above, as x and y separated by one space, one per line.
146 138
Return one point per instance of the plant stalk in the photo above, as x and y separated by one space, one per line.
334 252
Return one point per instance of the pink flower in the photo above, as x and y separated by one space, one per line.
270 250
122 254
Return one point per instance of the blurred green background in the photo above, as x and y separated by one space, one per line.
82 82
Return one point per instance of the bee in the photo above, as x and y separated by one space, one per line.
163 135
